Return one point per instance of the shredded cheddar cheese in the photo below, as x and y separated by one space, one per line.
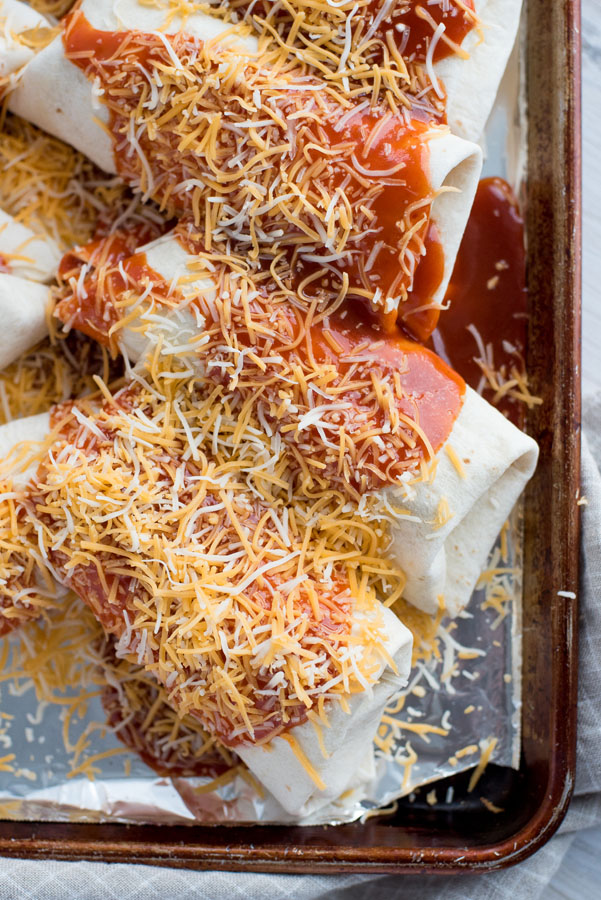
56 191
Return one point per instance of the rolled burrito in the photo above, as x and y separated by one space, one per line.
25 253
23 313
16 19
443 522
307 763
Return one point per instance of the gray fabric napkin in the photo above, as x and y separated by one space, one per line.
52 880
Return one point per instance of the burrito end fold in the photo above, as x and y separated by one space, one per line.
293 766
23 309
445 561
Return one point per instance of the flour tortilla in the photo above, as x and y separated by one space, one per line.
15 18
23 306
348 740
29 255
56 96
472 84
126 15
445 563
32 428
455 167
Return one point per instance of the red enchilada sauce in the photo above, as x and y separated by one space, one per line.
4 265
432 393
487 290
418 19
399 158
113 268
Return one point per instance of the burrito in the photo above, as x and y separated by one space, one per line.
282 662
444 477
25 253
18 22
23 312
349 196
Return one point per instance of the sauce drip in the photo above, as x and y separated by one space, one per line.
411 24
416 314
4 265
487 290
98 273
396 201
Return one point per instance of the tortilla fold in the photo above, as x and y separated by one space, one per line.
471 84
16 18
347 740
455 167
27 254
496 460
31 428
23 307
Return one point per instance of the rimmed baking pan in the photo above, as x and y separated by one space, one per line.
463 836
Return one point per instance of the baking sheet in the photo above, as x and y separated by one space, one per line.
440 725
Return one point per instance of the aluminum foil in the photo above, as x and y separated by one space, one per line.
457 707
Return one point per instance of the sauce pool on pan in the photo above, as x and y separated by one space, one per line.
487 292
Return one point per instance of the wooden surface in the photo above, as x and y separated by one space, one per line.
579 877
